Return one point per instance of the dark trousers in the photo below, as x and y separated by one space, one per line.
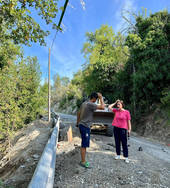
121 137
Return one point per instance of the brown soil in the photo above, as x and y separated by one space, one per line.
155 125
19 162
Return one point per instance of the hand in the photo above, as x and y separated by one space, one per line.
128 136
99 95
129 131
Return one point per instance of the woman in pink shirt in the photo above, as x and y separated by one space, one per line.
122 125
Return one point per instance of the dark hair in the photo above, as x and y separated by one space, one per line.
93 95
121 103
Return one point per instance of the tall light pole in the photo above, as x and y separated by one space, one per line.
49 53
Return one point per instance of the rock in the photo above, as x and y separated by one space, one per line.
97 139
62 125
105 147
35 156
77 172
111 144
140 172
140 149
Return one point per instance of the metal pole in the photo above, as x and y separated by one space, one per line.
49 93
49 90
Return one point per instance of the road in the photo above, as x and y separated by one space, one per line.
148 168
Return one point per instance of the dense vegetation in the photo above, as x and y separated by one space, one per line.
135 67
22 97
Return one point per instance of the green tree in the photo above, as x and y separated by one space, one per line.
148 65
59 88
17 23
105 55
8 53
10 112
166 97
22 98
28 86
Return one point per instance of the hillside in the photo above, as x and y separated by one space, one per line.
155 125
17 164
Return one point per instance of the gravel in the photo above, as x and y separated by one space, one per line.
148 168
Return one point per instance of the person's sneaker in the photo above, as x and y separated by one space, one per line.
84 164
126 160
117 157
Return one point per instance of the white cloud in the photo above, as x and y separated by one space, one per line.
83 4
69 4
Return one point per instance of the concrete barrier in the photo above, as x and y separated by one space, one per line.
44 173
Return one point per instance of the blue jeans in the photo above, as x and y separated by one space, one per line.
85 136
121 137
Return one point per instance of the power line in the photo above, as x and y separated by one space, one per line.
49 89
59 23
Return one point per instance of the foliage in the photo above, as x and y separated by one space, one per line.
166 97
134 68
105 55
20 99
148 65
8 53
64 91
4 186
28 88
17 23
43 98
59 88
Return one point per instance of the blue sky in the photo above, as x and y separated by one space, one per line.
66 57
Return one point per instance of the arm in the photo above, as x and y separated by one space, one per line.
102 105
129 126
111 105
78 118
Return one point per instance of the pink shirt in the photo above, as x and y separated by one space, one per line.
121 118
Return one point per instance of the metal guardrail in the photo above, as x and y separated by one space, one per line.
44 173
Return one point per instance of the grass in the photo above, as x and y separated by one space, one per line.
4 186
166 112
